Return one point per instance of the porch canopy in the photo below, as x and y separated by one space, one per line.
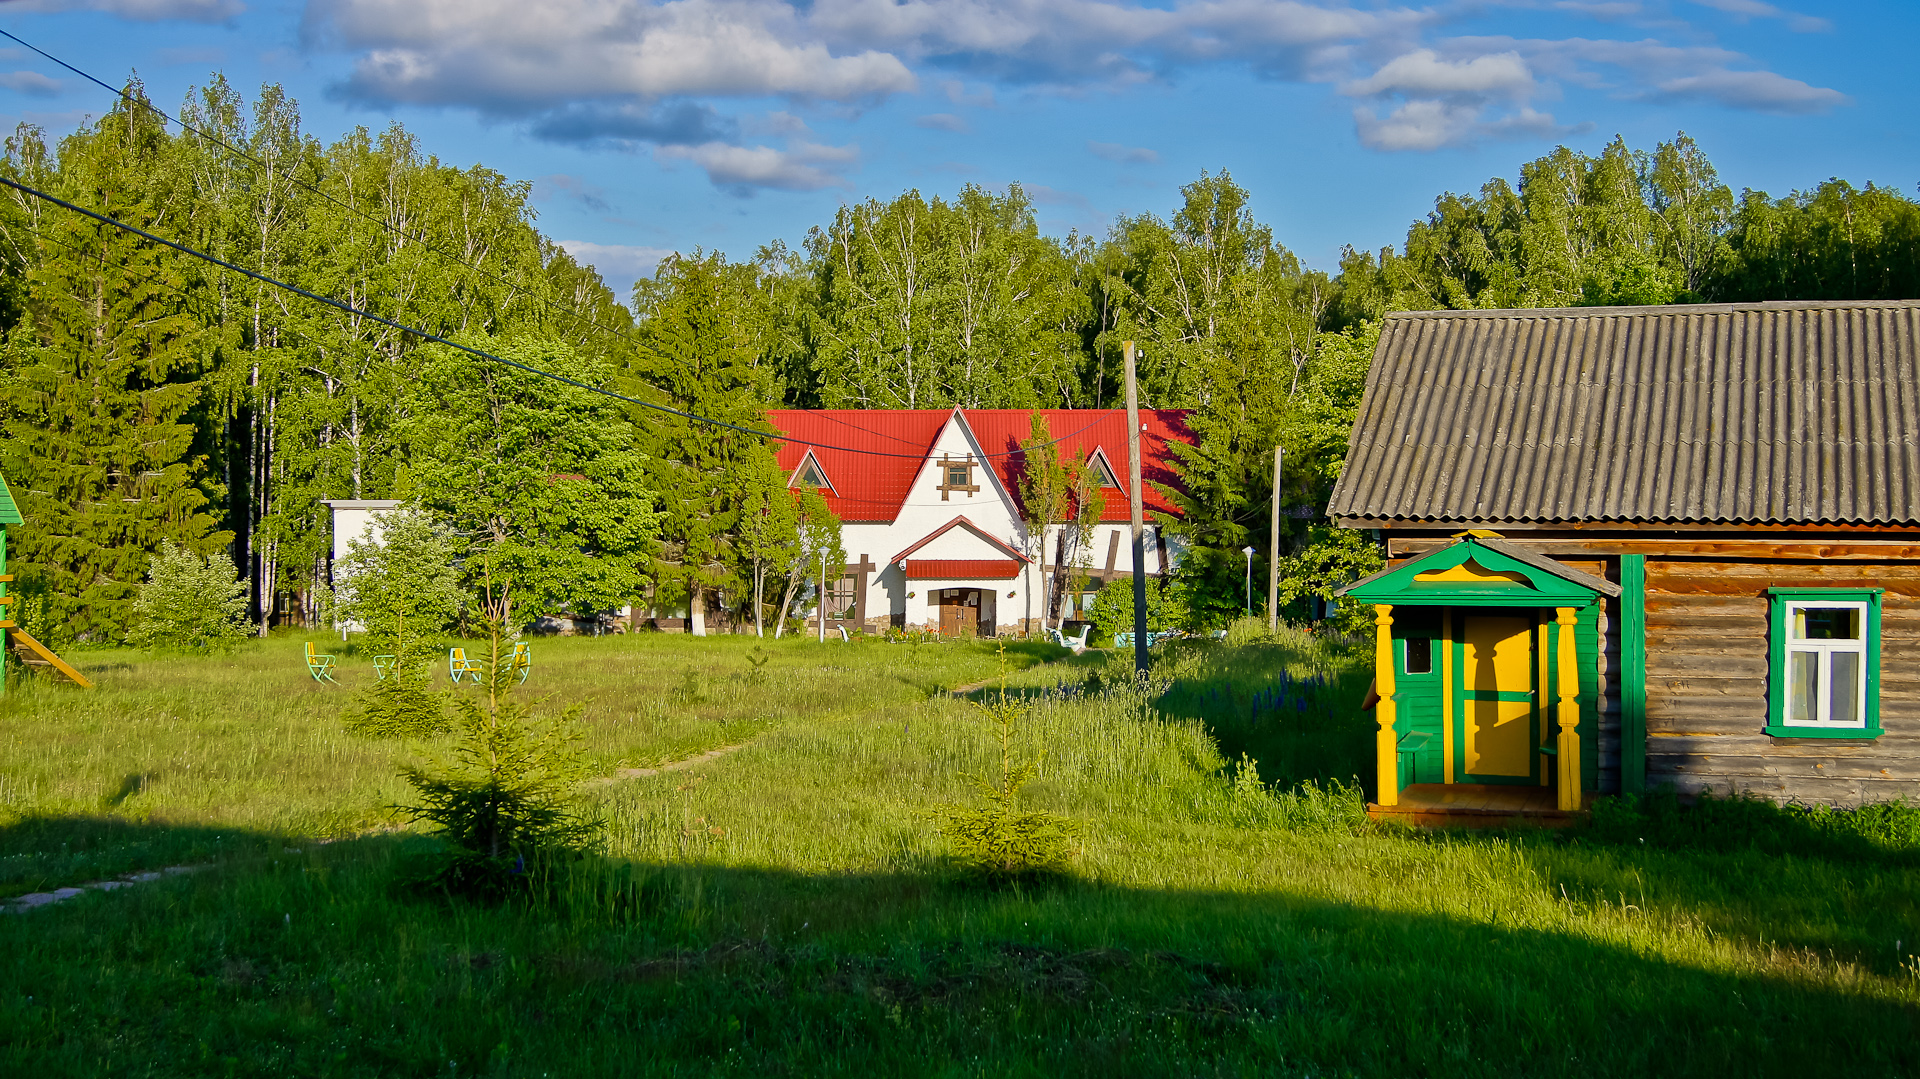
1481 570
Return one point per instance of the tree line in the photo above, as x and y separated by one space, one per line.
149 399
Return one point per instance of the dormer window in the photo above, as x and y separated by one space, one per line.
956 474
810 474
1098 462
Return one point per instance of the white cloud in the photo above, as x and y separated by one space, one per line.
942 121
1761 91
1423 73
590 195
1125 155
619 264
802 167
1758 9
516 56
31 83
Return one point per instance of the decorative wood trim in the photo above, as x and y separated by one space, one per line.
947 486
1633 673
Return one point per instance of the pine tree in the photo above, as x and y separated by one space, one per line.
100 379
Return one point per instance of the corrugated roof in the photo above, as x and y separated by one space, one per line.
867 487
1779 413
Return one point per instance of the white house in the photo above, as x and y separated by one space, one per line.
933 530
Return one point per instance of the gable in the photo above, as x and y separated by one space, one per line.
1481 571
1777 413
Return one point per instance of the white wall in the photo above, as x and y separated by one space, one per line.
355 519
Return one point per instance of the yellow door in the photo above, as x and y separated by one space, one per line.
1496 698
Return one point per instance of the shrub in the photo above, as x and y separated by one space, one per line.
402 585
1112 609
190 601
1000 840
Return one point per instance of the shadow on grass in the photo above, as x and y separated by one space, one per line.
303 961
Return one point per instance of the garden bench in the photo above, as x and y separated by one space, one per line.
1125 640
459 666
320 666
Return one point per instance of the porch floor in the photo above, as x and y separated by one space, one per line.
1475 805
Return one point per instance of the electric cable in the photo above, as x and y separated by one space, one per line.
470 350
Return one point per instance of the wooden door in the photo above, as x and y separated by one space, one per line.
1498 736
960 612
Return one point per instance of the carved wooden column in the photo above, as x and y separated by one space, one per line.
1567 747
1387 741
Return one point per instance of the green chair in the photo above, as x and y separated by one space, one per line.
522 660
459 666
321 667
384 666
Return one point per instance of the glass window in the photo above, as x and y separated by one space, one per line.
1419 655
959 475
1827 663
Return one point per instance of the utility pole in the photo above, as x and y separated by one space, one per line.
1273 555
823 595
1138 516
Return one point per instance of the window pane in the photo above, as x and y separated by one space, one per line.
1803 677
1845 684
1827 624
1419 655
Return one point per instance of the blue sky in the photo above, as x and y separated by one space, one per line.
656 125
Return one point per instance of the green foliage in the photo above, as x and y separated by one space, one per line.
398 706
1329 806
1167 607
403 584
99 382
1743 822
191 601
1327 559
503 796
540 479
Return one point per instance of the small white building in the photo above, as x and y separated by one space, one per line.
930 512
354 518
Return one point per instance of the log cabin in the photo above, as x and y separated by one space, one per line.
1642 548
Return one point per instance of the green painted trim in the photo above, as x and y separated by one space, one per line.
1633 673
1400 589
9 512
1777 661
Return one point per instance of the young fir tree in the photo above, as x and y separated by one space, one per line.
100 379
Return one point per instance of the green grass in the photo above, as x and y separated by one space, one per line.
799 915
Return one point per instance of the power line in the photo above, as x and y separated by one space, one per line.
420 238
470 350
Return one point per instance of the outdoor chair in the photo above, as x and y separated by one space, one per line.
459 666
1077 644
383 666
321 667
522 661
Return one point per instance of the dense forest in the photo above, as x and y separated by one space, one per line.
147 397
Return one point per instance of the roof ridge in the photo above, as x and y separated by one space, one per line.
1665 309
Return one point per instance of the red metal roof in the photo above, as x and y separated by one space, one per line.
962 569
870 487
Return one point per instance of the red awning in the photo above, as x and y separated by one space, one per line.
962 569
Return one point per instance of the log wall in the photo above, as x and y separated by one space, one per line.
1707 676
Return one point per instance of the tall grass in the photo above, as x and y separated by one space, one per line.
788 908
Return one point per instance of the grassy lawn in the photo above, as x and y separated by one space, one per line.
799 915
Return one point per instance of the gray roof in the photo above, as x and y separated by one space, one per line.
1790 413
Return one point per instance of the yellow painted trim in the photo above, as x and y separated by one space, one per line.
1569 743
1473 572
1386 742
1540 706
1446 694
1477 533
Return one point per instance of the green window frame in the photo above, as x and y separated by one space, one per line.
1820 640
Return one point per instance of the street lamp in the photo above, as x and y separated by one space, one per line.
1248 551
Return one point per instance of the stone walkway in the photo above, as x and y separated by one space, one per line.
36 900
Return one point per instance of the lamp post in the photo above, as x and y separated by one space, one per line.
1248 551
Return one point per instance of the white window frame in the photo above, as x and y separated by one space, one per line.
1825 649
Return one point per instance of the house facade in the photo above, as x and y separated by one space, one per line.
1643 548
931 520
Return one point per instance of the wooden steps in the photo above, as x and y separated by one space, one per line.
1476 805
